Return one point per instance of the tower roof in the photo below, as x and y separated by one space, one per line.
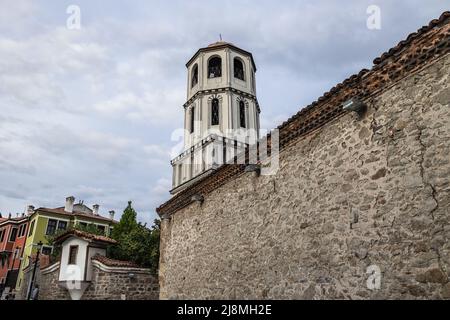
221 45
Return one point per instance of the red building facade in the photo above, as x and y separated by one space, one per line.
13 233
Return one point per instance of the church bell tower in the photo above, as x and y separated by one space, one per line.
221 114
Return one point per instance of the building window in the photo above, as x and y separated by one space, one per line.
238 69
192 118
82 224
242 114
51 227
215 112
2 235
62 225
215 67
13 235
194 79
73 251
22 230
31 228
102 229
46 251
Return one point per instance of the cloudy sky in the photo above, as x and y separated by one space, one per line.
89 112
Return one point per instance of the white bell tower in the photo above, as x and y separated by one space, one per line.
221 115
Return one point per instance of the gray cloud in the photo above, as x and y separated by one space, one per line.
90 112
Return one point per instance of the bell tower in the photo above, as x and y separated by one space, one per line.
221 114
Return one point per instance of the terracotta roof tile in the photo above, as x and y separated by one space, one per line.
114 263
419 48
76 213
84 235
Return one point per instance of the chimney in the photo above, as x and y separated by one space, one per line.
30 209
111 214
69 204
95 209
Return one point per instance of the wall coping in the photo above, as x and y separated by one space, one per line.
51 268
97 264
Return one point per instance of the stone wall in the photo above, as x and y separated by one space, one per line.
118 285
107 284
47 280
354 194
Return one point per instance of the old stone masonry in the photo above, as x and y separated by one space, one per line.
360 205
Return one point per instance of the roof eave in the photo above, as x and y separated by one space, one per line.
222 46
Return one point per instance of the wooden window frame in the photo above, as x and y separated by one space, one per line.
69 262
61 221
30 233
11 233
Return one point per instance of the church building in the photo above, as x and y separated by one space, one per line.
359 205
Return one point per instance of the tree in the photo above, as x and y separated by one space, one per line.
136 242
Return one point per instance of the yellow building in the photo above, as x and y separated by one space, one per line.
45 222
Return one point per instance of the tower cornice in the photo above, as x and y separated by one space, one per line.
202 93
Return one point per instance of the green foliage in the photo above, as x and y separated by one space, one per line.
56 252
136 242
90 228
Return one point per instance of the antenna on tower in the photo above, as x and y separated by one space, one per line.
220 36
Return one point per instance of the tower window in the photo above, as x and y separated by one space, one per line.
215 67
242 114
253 82
215 112
238 69
192 113
194 79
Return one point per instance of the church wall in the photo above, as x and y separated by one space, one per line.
353 195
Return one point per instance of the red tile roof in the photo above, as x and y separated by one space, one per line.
114 263
15 220
76 214
427 44
84 235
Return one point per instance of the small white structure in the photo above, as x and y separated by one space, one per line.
221 115
75 266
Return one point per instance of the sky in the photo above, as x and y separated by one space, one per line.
90 111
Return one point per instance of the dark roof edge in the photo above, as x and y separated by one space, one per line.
219 47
